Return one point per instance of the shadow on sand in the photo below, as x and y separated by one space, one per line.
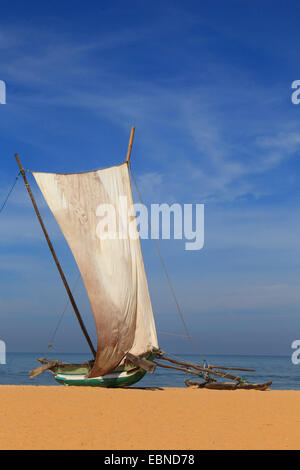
142 388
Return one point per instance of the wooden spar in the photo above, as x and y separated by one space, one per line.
141 362
22 171
182 369
200 368
130 145
39 370
230 368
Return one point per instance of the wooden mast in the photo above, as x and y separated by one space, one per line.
22 171
130 145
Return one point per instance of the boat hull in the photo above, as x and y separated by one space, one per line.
78 374
115 379
227 385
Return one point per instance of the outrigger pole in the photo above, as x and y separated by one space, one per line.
72 300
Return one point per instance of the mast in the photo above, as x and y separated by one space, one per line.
130 145
72 300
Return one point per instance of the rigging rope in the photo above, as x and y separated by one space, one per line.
167 275
60 318
9 192
75 284
172 334
188 336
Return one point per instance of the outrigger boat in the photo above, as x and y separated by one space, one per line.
112 270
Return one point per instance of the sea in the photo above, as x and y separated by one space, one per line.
279 369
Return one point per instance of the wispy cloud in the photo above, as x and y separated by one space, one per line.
215 151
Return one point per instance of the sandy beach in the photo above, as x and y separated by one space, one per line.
38 417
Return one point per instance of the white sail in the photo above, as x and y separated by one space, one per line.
112 269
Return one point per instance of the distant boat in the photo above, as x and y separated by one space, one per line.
112 270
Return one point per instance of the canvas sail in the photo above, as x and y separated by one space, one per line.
111 264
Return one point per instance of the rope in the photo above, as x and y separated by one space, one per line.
172 334
9 192
188 336
168 277
60 318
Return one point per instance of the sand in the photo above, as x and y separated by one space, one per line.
38 417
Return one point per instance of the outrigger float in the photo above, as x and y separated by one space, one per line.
113 273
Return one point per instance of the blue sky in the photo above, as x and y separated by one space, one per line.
208 87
